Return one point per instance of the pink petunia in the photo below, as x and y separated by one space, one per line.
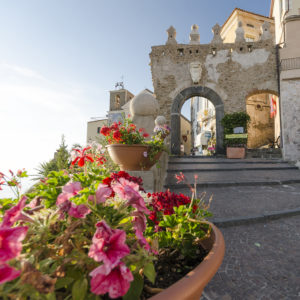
14 214
129 190
70 190
102 193
7 273
119 186
108 246
143 242
11 242
78 211
139 220
116 283
135 200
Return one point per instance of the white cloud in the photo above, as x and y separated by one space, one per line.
34 114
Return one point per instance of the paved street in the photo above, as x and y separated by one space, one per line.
262 259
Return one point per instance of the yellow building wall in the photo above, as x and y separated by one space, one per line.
186 130
229 28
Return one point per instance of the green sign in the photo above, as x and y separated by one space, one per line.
236 136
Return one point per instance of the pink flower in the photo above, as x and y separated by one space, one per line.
139 221
10 242
119 187
143 242
102 193
108 246
180 177
78 211
70 190
129 190
135 199
14 214
116 283
7 273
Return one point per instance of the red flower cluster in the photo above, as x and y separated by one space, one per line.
124 133
165 202
122 174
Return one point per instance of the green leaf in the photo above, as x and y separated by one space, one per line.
79 289
135 289
149 272
51 296
62 282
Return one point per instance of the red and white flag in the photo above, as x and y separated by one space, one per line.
273 107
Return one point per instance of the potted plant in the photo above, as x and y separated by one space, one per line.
235 131
83 233
128 147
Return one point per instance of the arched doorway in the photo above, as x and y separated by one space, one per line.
178 102
264 129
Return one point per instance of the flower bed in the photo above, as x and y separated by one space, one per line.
86 232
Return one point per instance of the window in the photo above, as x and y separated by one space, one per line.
98 129
117 101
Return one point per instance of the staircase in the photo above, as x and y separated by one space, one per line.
267 153
240 188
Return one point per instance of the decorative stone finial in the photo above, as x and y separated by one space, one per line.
239 33
265 30
160 121
171 36
217 37
194 35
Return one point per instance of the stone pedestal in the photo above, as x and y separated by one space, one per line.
148 179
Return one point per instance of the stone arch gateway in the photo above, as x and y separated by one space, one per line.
224 73
175 114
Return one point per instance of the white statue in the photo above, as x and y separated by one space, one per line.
195 70
194 35
171 36
239 33
265 31
217 37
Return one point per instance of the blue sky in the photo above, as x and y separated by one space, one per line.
60 58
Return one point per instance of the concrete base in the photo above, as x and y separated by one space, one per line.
148 179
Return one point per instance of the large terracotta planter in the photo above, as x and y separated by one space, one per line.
131 157
235 152
191 286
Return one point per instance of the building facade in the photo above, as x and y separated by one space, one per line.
286 14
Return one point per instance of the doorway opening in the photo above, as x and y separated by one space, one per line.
198 127
264 128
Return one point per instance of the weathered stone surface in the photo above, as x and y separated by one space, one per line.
290 107
231 71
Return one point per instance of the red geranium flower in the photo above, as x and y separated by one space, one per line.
105 131
145 135
82 157
117 136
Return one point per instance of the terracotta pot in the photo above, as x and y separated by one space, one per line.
131 157
235 152
191 286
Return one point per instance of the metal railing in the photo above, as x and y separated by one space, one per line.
290 63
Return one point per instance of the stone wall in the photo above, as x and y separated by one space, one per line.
261 127
233 71
290 112
229 73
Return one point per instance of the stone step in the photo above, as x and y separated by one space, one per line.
241 201
213 160
264 153
242 177
227 167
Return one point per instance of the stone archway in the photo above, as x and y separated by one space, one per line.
179 100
